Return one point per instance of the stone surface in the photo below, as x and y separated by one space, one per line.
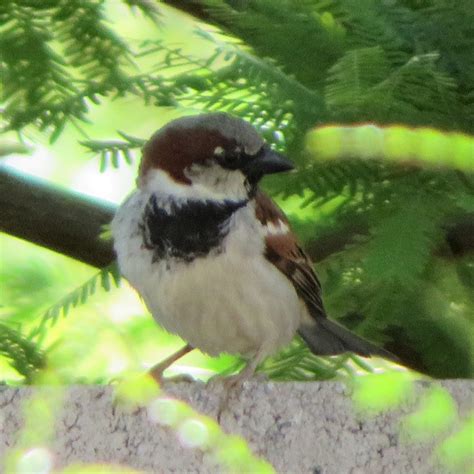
298 427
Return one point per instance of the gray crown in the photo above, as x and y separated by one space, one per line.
230 127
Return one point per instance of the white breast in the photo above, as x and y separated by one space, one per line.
234 301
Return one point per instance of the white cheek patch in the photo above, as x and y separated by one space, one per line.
214 184
158 181
218 182
277 228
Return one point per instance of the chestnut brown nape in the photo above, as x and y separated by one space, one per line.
177 150
191 140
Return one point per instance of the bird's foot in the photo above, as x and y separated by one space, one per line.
162 380
158 370
232 387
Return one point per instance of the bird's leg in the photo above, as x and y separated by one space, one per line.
246 373
235 382
157 371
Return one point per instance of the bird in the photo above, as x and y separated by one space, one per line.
212 256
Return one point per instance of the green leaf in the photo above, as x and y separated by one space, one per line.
436 414
458 449
351 78
23 354
402 242
379 392
80 295
112 151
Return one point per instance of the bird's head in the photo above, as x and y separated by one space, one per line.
210 156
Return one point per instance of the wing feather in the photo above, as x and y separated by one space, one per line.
283 251
323 336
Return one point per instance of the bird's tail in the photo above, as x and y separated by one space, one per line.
326 337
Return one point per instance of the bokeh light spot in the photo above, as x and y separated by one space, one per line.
37 460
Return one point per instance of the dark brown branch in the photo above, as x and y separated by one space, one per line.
191 7
61 220
459 236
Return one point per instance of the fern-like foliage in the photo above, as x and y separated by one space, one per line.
94 50
351 78
23 355
230 80
402 260
296 362
56 56
363 85
112 151
304 22
105 278
391 45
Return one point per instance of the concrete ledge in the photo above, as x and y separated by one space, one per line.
298 427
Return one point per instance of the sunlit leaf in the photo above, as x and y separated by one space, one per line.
396 144
378 392
458 449
137 389
436 413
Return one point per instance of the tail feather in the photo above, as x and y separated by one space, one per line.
326 337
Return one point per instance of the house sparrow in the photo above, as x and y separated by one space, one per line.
212 256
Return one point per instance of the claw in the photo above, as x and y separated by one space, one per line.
157 371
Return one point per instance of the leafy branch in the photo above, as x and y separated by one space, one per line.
112 151
23 354
77 297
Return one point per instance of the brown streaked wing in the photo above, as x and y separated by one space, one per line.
284 252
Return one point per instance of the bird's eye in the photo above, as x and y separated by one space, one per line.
230 159
232 156
219 152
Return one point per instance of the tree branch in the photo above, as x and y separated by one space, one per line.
63 221
192 7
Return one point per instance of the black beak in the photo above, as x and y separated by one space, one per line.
267 162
